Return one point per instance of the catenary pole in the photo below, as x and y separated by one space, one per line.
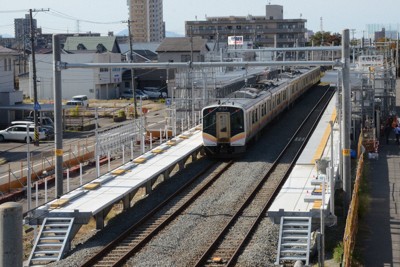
346 118
58 132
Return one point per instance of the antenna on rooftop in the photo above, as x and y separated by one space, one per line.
77 26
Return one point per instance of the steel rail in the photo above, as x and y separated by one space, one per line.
210 257
131 234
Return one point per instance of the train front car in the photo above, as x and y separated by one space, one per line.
224 133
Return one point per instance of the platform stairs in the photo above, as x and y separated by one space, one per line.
294 240
52 241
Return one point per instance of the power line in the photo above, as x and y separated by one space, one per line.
69 17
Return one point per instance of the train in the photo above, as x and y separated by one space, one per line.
232 122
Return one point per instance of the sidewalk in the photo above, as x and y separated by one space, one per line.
381 226
380 229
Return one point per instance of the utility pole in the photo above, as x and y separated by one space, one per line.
36 106
132 70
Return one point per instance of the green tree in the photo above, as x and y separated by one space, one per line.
327 38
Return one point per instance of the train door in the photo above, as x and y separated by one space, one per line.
223 127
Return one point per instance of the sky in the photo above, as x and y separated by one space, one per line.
102 16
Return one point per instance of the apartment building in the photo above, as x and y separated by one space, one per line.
147 24
269 30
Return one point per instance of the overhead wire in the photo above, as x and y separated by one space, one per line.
59 14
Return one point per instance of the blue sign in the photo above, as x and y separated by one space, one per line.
168 102
37 106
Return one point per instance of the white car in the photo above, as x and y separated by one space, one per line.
46 123
83 98
18 133
154 92
128 94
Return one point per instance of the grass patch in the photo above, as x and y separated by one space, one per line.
338 252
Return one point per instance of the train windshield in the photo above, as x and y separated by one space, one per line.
236 120
209 119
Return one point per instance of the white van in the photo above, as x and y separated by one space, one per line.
83 98
75 103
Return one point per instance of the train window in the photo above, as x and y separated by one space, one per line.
237 122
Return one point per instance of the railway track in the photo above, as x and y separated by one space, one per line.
239 227
133 239
226 247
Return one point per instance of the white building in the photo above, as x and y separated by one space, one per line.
8 94
95 83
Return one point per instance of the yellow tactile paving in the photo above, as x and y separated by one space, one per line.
157 151
59 203
317 204
139 160
324 140
118 172
92 186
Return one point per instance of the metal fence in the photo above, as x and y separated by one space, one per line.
42 165
351 228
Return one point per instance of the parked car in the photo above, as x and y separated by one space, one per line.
19 133
128 94
82 98
155 92
45 122
75 103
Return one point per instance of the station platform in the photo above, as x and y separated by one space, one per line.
301 195
96 197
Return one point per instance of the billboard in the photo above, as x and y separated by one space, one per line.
235 40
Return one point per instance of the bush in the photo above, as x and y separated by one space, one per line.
121 113
338 252
74 112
